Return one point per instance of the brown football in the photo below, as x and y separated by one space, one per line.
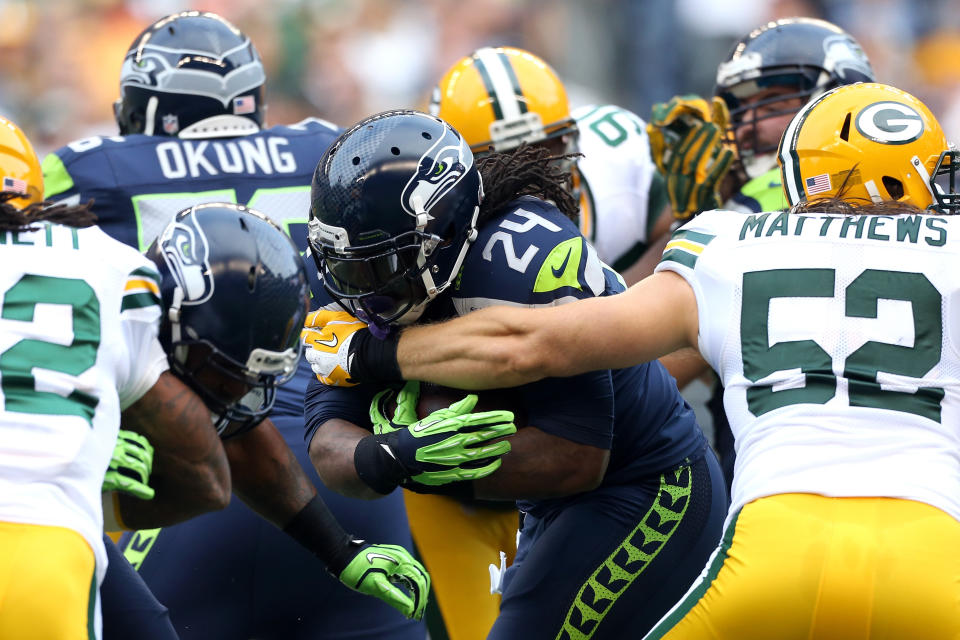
434 397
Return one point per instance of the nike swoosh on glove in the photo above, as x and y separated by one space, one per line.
388 572
327 336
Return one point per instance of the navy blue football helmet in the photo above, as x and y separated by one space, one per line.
236 294
394 207
807 55
192 75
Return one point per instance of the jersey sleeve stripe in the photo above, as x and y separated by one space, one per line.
685 247
680 257
140 300
693 236
680 243
138 285
144 272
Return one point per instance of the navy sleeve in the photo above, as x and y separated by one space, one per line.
578 408
323 403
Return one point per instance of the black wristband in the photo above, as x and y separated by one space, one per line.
377 468
317 529
465 491
374 360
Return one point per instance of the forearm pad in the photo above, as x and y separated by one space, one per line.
376 467
374 360
316 528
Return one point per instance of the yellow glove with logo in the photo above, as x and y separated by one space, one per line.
687 142
327 336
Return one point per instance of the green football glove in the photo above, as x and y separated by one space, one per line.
130 466
388 572
688 144
405 413
449 445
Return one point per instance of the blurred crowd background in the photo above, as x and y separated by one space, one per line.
343 59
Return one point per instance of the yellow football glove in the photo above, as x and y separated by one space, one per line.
327 336
688 144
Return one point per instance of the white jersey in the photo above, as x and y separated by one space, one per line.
617 172
79 316
836 339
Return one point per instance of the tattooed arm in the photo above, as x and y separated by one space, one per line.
190 471
266 474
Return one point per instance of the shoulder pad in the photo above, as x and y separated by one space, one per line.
530 255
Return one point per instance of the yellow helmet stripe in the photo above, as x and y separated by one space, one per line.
500 81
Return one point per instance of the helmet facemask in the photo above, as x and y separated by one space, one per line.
238 395
384 282
388 282
944 182
803 57
756 155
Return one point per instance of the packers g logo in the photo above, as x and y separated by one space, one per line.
890 123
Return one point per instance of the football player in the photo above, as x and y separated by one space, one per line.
834 330
499 98
620 495
79 353
768 76
191 124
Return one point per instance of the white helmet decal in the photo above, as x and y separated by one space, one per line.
890 123
186 252
439 170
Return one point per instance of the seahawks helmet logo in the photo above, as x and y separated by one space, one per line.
142 72
211 75
843 56
439 170
186 252
890 123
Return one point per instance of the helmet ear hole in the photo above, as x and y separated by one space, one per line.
893 186
845 129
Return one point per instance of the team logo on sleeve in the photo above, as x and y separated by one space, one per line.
441 167
890 123
186 252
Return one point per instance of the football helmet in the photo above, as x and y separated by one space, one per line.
19 167
498 98
236 294
866 142
805 56
191 75
394 206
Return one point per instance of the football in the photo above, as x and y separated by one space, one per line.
434 397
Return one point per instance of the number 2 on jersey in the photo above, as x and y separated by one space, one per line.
760 359
20 303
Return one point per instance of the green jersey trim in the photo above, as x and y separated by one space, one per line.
685 247
56 178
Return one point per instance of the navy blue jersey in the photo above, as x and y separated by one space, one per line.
138 183
533 256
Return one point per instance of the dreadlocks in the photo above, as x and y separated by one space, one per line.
526 171
14 219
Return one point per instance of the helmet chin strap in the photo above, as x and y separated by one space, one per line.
917 165
150 116
173 314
